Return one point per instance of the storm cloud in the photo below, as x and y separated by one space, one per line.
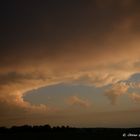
93 42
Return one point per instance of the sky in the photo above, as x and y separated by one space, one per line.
70 62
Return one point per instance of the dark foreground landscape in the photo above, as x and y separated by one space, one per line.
66 132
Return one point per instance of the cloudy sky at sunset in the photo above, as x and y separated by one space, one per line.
70 62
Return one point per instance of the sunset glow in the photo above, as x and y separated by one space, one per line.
70 62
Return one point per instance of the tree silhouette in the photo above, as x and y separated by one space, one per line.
66 132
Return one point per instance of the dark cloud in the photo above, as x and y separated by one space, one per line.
49 42
13 77
33 28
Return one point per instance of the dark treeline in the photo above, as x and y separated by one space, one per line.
66 132
36 128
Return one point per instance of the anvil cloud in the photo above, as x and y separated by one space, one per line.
90 42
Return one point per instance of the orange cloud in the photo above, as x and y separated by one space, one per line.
96 45
74 100
117 90
135 97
